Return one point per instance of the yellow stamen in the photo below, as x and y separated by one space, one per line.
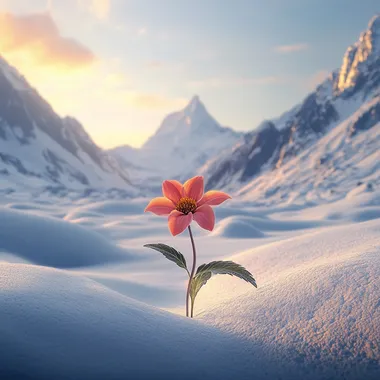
186 205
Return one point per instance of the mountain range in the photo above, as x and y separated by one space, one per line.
324 146
40 149
332 137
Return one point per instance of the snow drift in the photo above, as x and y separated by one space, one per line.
52 242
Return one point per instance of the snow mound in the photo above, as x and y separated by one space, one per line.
317 303
327 317
236 227
368 213
27 207
106 208
357 206
52 242
264 224
63 326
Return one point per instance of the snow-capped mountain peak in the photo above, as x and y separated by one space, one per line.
185 140
195 106
283 160
360 59
374 25
194 118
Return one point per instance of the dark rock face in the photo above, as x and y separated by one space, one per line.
262 149
13 114
366 120
257 148
272 147
8 159
309 123
313 116
360 71
366 81
57 166
77 133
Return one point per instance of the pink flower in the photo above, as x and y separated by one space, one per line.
186 202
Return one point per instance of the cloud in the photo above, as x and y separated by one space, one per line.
99 8
286 49
37 37
317 78
153 101
216 82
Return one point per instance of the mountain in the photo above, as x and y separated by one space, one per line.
40 149
184 142
312 144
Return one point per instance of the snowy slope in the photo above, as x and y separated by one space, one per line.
183 143
314 316
62 326
346 158
348 98
38 148
308 301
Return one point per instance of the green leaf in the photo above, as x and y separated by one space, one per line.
227 267
205 271
170 253
197 282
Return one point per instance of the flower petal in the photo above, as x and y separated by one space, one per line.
194 188
178 222
160 206
172 190
205 217
213 198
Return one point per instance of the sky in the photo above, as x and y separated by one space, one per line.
120 66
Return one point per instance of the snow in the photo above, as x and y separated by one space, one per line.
84 299
359 55
32 158
62 326
191 135
13 76
317 147
81 298
311 289
62 244
237 227
328 169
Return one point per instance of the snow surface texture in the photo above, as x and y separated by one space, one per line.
315 315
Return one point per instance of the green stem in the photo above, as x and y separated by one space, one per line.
191 275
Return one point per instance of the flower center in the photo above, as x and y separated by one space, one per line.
186 205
